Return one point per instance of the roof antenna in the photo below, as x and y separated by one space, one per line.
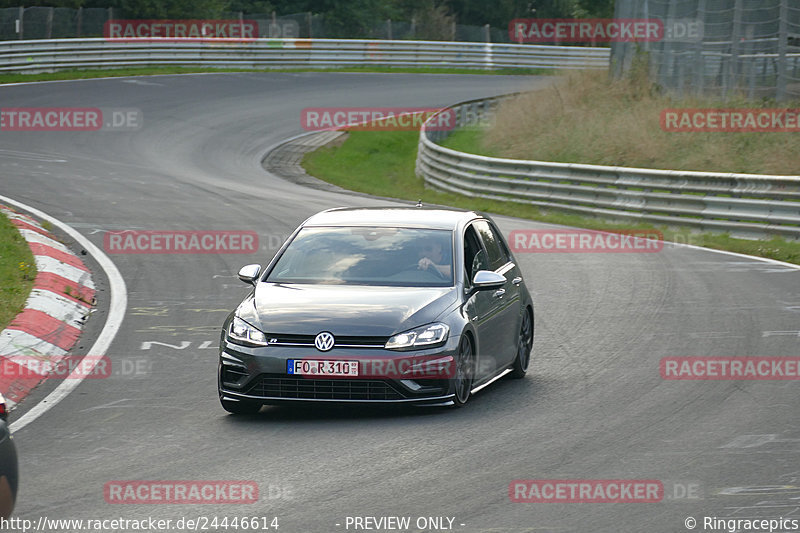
419 203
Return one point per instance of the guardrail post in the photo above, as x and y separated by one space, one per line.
666 55
110 13
751 70
622 54
783 38
21 22
699 62
732 70
50 22
79 21
308 18
487 34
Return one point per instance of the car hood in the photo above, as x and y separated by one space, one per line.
343 309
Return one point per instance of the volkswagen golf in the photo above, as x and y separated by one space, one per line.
378 305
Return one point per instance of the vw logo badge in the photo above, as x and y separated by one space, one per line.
324 341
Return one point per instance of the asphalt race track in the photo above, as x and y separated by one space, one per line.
593 406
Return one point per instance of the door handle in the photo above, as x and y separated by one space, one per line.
499 293
517 280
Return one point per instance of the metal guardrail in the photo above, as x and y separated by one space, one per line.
744 205
54 54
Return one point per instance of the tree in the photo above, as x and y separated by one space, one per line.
433 22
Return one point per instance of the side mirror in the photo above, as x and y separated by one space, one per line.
249 273
486 280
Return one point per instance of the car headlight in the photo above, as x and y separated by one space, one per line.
240 332
424 337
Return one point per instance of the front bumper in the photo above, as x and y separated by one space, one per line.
260 374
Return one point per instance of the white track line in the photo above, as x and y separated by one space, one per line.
736 254
666 243
116 312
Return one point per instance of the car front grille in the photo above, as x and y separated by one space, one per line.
341 341
322 389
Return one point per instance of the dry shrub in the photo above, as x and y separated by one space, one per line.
585 117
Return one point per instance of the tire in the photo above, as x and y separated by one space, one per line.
524 347
465 372
240 407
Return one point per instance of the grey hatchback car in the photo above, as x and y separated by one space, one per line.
378 305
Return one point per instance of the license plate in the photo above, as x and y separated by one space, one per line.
314 367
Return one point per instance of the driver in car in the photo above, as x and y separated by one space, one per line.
431 256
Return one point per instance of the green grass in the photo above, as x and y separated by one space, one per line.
471 142
17 271
382 164
150 71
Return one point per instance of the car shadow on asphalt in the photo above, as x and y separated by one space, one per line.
504 395
340 412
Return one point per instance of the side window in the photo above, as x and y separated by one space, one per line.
473 254
503 246
498 255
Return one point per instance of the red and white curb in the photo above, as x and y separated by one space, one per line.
54 314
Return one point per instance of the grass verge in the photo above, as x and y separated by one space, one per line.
586 117
381 163
151 71
17 271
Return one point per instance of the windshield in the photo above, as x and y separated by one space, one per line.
402 257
